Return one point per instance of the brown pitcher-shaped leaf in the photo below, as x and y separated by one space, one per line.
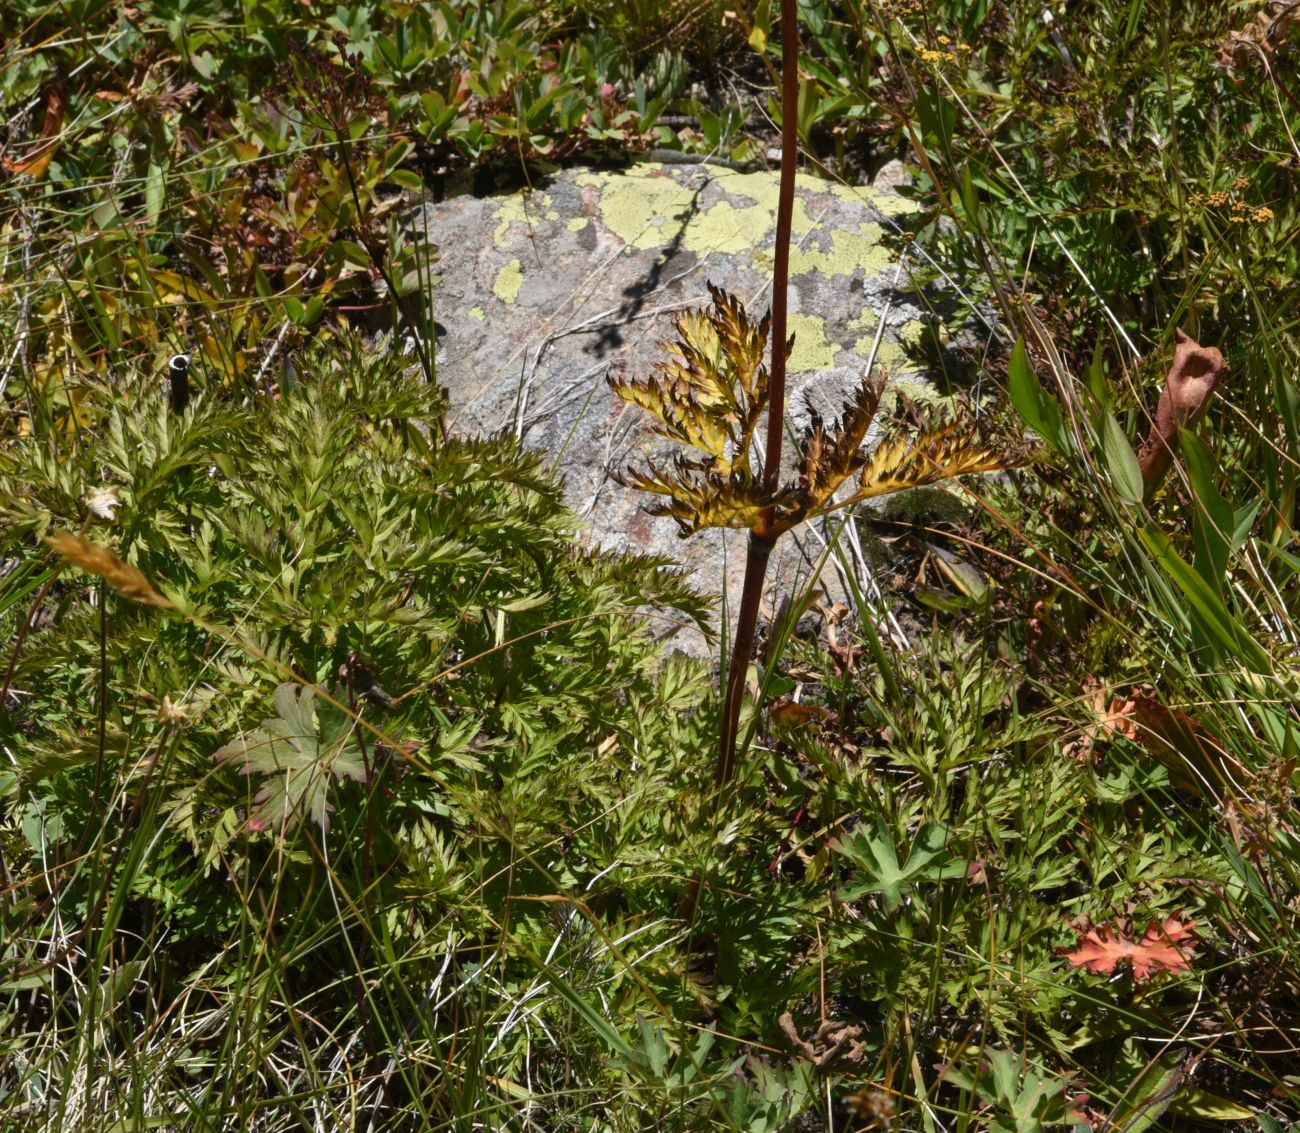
1193 375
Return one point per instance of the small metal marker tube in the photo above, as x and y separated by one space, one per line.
178 370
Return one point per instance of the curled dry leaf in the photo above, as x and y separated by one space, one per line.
1259 40
36 161
1193 375
1197 759
833 1043
788 714
102 502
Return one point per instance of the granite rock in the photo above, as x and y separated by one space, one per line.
545 292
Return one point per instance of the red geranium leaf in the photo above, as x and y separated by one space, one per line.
1163 947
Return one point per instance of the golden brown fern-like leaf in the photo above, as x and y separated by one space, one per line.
830 455
695 362
947 450
698 496
681 416
711 391
743 344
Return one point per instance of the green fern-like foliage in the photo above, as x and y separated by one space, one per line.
305 539
710 396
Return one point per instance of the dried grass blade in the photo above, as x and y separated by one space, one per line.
127 580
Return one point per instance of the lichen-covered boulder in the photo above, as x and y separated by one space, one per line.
544 293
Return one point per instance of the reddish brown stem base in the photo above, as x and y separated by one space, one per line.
760 544
760 550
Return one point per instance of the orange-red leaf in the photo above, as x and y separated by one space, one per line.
37 159
1162 947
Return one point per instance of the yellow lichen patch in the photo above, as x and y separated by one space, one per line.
576 223
887 204
849 252
921 392
763 189
811 351
890 355
508 282
477 313
869 322
642 211
727 229
648 210
512 210
911 332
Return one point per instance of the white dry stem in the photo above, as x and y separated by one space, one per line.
271 354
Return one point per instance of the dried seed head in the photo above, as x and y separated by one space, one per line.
127 580
172 714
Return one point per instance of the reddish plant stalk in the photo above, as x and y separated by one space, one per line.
762 538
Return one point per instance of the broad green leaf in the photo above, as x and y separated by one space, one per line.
937 117
871 849
1226 634
1205 1106
1039 411
1243 522
1213 525
1147 1097
1095 377
299 757
1120 460
155 192
653 1046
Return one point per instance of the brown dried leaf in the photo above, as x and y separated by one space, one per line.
1197 759
834 1042
829 456
37 160
1260 39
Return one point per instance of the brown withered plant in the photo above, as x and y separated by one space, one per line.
1194 374
710 395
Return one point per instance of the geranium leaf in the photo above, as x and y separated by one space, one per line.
299 755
